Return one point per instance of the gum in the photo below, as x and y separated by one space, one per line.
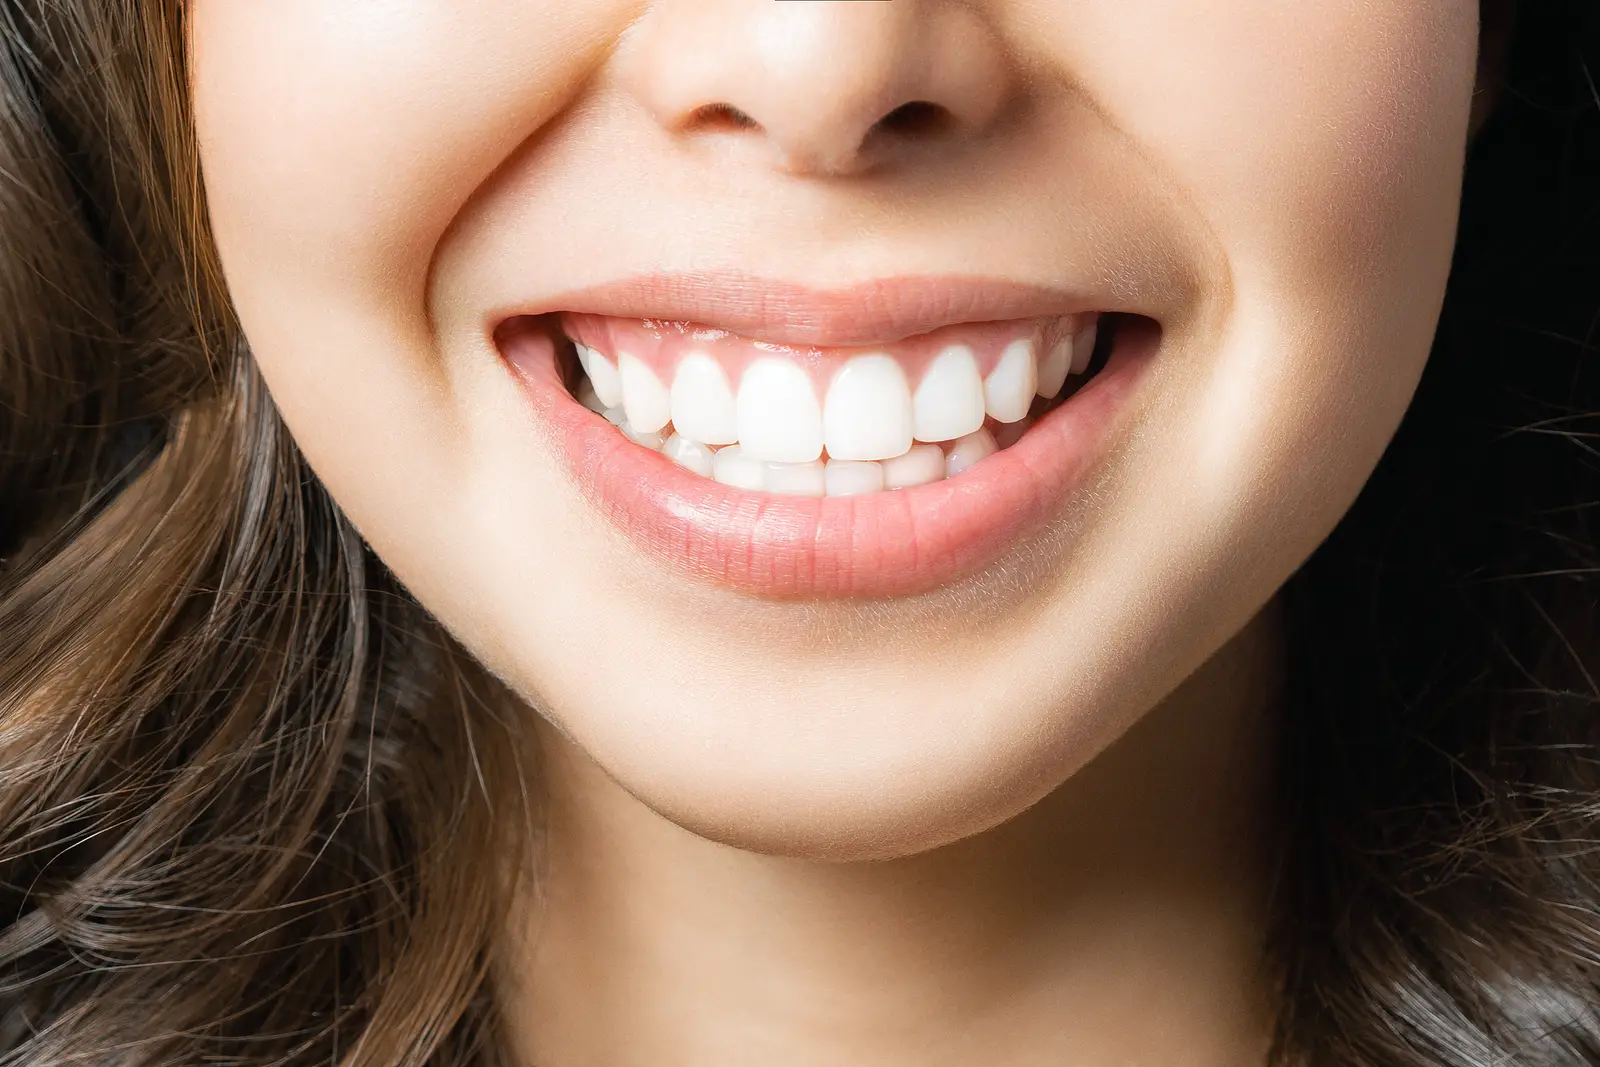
660 345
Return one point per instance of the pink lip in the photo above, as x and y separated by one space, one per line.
878 545
876 312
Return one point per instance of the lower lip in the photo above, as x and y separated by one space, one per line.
884 544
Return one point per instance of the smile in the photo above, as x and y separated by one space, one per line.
811 470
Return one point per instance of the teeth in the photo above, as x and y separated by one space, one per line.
1083 347
868 412
702 402
607 384
645 398
1053 368
949 400
795 479
878 435
733 467
778 417
921 465
588 398
690 454
1008 391
969 450
648 438
852 478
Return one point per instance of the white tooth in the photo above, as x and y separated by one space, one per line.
1011 432
607 383
616 416
1053 368
1008 391
587 397
852 478
949 399
868 411
690 454
796 479
702 402
649 407
1083 347
778 416
649 438
921 465
969 450
732 467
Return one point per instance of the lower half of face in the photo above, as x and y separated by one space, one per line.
841 420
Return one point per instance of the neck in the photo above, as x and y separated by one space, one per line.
1121 920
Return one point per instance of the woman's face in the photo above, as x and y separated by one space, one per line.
849 243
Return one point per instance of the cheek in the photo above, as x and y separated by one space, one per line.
1322 142
340 138
1317 125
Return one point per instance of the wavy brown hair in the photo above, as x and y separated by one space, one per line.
257 808
245 783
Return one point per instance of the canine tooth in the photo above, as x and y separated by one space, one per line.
649 407
690 454
796 479
949 399
1083 347
1054 367
868 411
1009 433
702 401
846 477
616 416
1008 391
921 465
588 398
778 417
607 383
969 450
732 467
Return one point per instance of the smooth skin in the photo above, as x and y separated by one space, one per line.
813 832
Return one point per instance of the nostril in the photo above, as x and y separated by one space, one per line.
917 118
719 118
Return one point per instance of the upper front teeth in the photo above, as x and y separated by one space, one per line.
702 401
643 396
870 412
949 401
777 413
1008 391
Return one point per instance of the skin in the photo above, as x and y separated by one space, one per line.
856 786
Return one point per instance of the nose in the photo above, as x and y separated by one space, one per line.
819 87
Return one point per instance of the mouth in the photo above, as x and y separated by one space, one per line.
807 470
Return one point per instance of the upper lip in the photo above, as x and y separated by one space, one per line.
880 311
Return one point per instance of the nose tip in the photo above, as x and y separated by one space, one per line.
822 87
836 143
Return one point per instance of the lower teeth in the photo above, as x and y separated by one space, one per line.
728 464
